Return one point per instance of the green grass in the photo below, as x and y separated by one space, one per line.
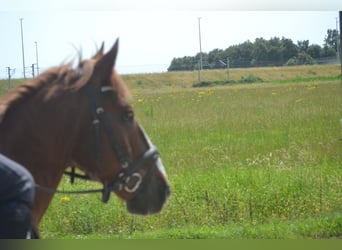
248 161
317 228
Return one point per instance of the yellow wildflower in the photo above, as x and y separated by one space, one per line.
201 93
65 199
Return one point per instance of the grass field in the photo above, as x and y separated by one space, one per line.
258 160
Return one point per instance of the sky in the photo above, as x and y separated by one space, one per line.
150 35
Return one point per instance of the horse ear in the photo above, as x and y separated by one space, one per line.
104 66
99 53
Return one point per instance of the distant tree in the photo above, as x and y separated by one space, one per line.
303 46
239 55
314 50
331 39
233 52
214 58
289 49
184 63
197 60
259 52
328 51
274 54
245 58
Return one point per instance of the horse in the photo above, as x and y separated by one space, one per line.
82 116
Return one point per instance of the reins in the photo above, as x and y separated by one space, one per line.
56 191
72 175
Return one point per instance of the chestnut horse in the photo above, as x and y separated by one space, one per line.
82 116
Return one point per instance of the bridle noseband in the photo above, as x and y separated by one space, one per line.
128 171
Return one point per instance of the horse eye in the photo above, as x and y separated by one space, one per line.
128 116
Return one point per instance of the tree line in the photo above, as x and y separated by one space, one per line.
273 52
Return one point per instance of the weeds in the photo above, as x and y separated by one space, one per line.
244 161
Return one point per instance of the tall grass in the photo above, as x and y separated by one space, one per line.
244 161
253 158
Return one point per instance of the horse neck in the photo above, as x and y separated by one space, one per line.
40 134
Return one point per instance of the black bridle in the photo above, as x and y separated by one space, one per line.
128 170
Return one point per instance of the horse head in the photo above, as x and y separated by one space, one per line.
112 147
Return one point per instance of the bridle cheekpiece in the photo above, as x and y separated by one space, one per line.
128 171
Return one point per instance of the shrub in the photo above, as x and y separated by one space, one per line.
302 58
250 78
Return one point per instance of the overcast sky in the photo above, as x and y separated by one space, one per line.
149 37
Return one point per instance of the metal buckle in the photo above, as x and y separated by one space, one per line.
99 110
136 185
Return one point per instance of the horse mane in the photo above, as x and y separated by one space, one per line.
31 87
59 78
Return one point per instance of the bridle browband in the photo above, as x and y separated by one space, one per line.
128 170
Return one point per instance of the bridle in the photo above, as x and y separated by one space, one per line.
129 171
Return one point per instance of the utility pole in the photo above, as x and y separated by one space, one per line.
9 77
10 73
37 57
22 45
32 69
337 42
200 67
